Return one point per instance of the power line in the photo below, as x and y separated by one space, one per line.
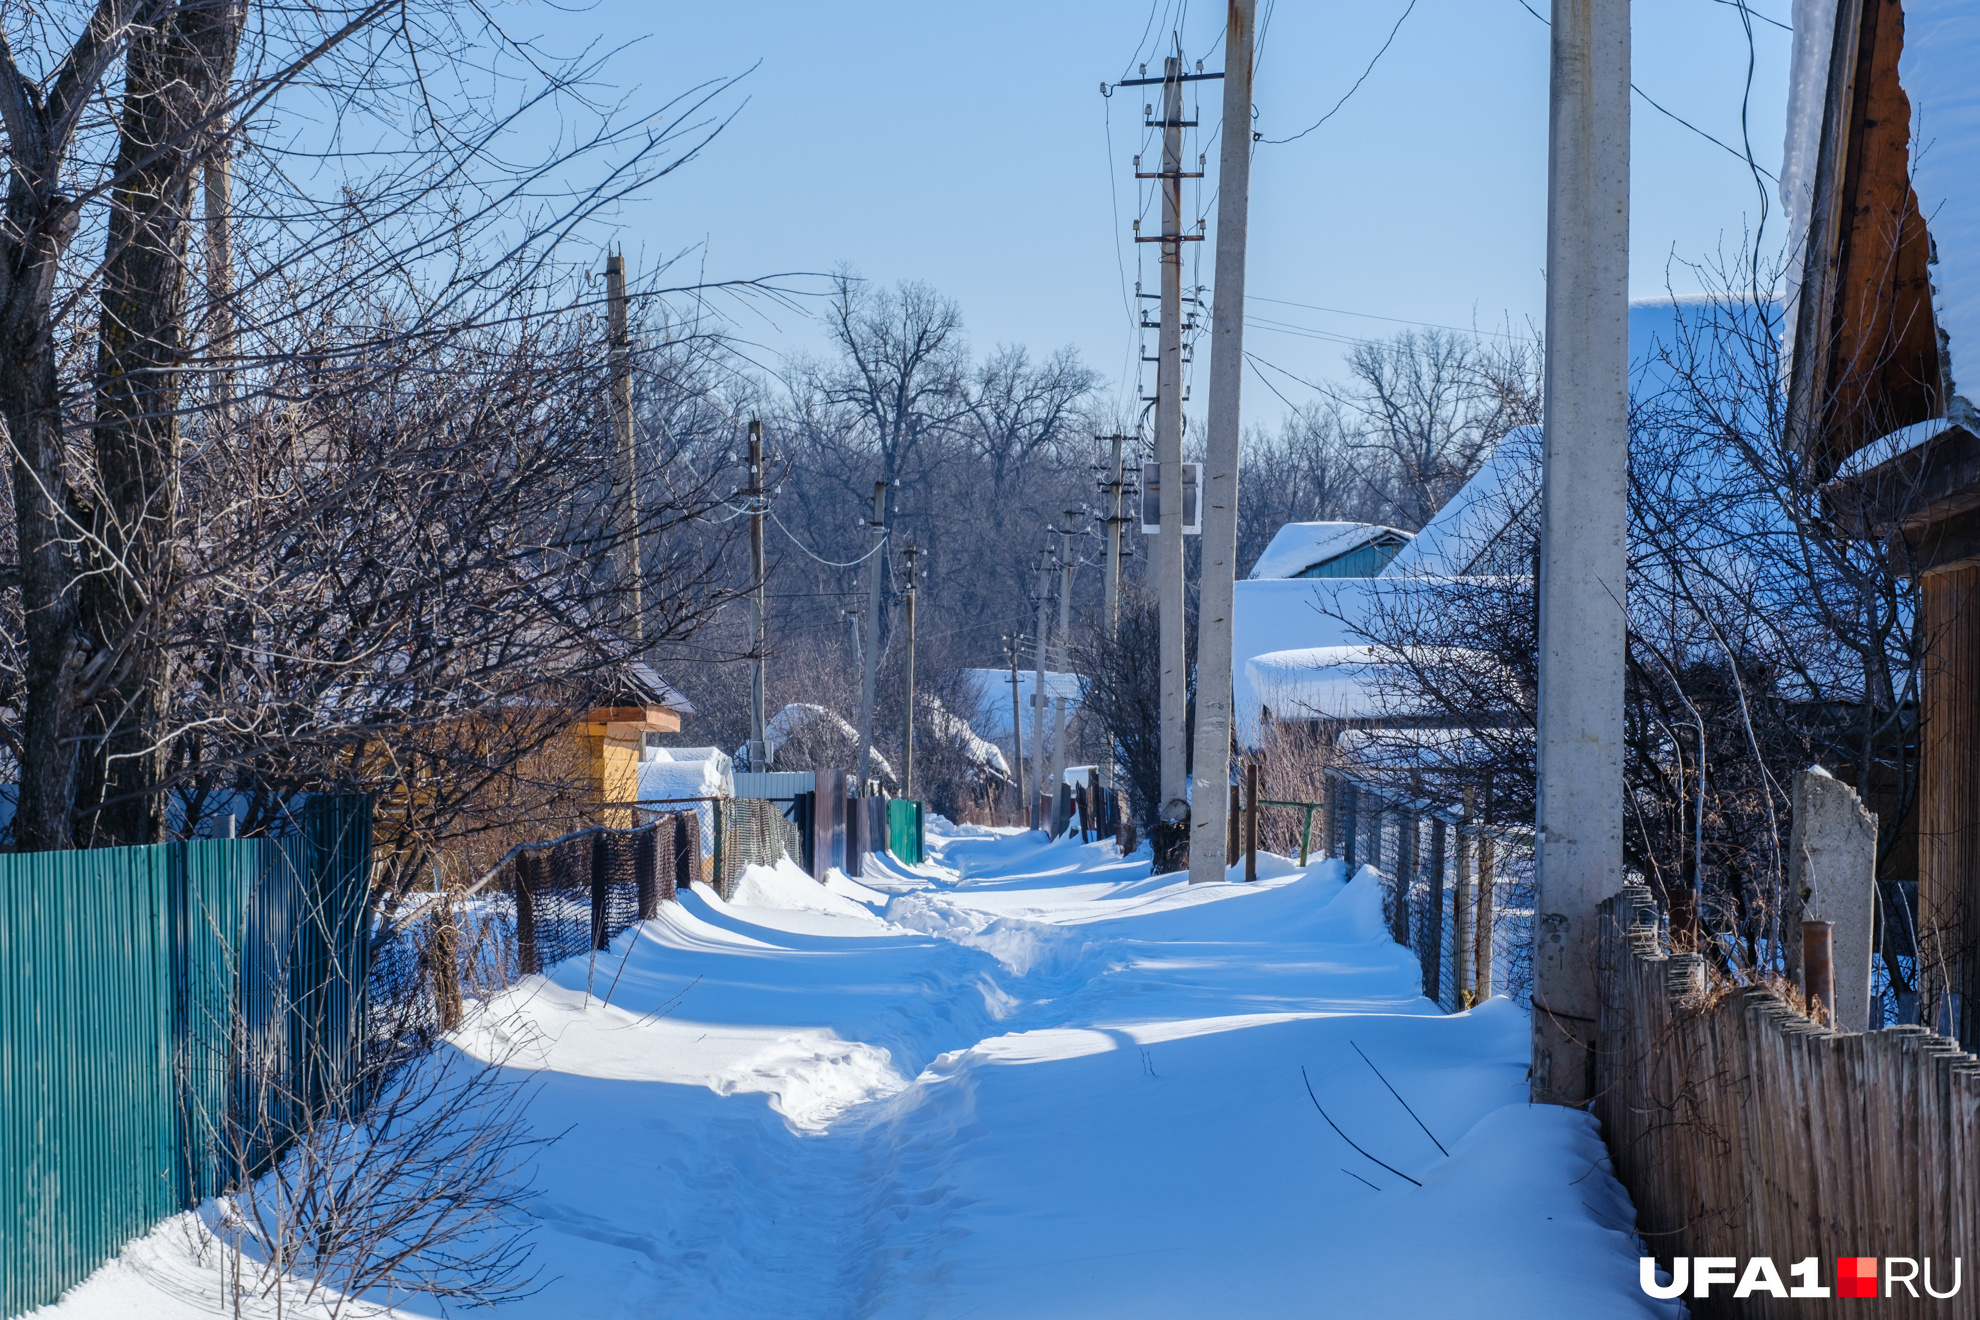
1372 316
1407 11
1745 158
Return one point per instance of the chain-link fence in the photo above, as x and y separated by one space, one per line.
542 904
752 832
1458 894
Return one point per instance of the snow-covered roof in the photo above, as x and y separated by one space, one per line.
993 688
1318 682
800 715
951 727
1297 547
1935 68
1478 516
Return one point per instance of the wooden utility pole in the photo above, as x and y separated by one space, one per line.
218 194
1583 521
759 753
871 671
1065 666
907 755
1038 685
1250 820
1217 587
1113 487
1168 452
1013 642
625 485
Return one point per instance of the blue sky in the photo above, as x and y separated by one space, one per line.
968 146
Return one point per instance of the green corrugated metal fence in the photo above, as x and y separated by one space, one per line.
152 1001
904 826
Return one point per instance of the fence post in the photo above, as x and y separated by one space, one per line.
443 961
1350 827
1232 827
646 869
687 850
600 866
716 882
1481 935
526 864
1433 957
1818 970
1250 822
1404 881
1465 916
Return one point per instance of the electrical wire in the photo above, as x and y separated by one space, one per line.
1745 157
878 546
1407 11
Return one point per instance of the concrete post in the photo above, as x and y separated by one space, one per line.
1168 455
1038 689
1583 521
1210 768
1832 877
872 672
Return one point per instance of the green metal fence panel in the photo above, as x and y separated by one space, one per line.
162 1011
904 830
87 1106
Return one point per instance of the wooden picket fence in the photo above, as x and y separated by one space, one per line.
1743 1128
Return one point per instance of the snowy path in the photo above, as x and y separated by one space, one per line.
1028 1080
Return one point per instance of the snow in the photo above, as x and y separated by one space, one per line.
1299 546
993 706
1941 50
1335 682
661 781
1453 541
799 715
1025 1079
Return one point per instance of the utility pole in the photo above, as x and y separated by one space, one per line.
872 669
1065 666
625 486
1168 451
1217 588
1583 515
1113 487
759 756
1038 685
1013 642
907 758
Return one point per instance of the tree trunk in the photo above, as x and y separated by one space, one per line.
176 79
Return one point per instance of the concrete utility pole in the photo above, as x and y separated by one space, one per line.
1583 515
759 755
1217 588
1038 685
870 674
1065 666
1013 642
1113 487
907 757
1168 451
625 484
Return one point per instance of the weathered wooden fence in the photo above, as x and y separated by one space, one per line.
1743 1128
167 1014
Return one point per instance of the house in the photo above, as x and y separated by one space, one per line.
1881 184
1329 550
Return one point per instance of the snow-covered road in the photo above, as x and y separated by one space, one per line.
1028 1080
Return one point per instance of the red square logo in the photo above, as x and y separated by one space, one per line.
1856 1276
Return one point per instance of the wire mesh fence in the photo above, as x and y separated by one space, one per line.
752 832
1458 894
544 903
